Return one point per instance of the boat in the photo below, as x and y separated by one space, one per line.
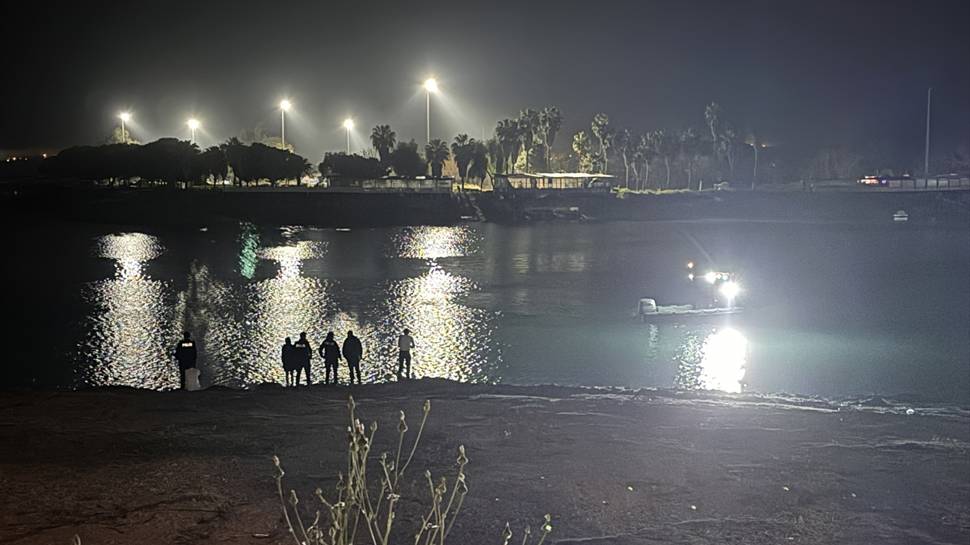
649 311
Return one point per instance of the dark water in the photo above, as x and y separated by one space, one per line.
833 310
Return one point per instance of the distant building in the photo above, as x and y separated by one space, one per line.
554 181
392 184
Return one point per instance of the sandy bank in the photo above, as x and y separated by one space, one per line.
122 466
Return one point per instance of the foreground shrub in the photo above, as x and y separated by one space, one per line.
363 506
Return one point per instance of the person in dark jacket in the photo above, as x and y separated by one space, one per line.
185 354
289 365
353 351
304 352
330 352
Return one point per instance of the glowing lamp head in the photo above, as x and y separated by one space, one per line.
710 277
193 124
349 124
285 105
730 290
690 264
431 85
124 116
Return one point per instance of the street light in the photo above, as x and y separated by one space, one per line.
124 117
193 125
430 86
349 125
285 106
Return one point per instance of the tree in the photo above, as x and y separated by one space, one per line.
626 145
666 146
478 160
462 149
166 160
436 153
713 116
341 167
550 121
602 131
496 154
584 151
383 139
211 163
528 128
645 154
690 150
507 134
406 161
728 148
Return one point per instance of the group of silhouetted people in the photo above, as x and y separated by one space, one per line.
296 357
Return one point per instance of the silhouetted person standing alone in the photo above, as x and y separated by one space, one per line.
185 354
304 353
405 343
288 355
330 353
353 351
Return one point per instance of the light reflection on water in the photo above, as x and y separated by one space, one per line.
712 361
131 326
453 340
434 242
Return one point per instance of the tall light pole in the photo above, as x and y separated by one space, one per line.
926 158
193 126
285 106
430 86
124 117
349 126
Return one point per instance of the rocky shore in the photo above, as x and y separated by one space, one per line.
127 466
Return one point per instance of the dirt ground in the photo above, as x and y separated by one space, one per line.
123 466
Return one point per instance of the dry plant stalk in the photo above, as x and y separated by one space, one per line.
361 507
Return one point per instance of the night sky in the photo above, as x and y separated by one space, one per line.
805 73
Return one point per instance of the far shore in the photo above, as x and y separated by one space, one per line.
117 465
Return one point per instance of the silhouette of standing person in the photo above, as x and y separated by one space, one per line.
304 353
185 354
353 352
288 355
330 353
405 343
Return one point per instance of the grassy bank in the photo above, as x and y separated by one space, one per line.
125 466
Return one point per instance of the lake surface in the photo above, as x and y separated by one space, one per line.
831 310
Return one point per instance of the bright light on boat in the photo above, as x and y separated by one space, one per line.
730 290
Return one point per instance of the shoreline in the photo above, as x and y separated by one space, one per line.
119 465
198 207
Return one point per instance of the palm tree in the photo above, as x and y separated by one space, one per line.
528 127
690 149
507 134
603 133
496 154
666 147
436 153
645 154
383 139
461 149
584 151
478 165
713 116
728 147
550 121
626 145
